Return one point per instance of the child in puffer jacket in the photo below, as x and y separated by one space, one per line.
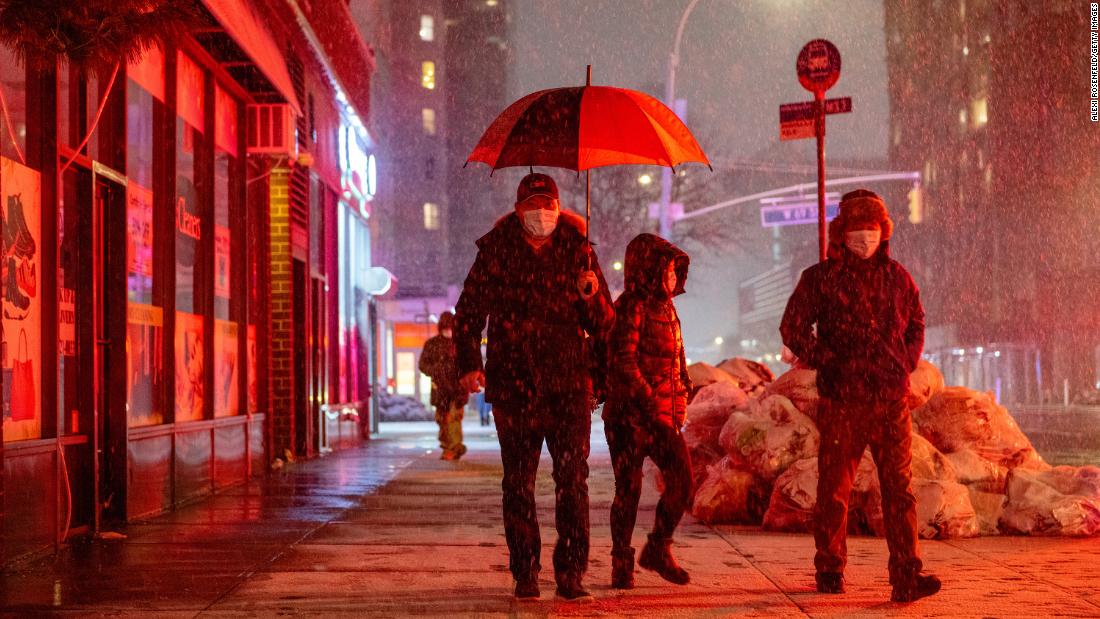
648 389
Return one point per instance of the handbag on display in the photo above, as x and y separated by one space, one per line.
22 382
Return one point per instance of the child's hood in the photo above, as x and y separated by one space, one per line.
647 257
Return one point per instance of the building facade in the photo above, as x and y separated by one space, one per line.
990 101
441 80
186 263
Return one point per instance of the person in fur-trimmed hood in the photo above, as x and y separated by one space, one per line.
646 404
857 319
538 283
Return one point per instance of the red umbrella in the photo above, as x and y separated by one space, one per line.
586 127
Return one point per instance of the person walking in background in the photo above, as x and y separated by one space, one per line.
537 283
857 319
437 361
648 390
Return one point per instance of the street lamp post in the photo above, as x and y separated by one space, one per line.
663 214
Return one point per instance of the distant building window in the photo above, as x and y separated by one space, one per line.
427 119
979 113
427 74
431 216
427 28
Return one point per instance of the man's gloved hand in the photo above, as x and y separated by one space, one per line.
588 284
473 382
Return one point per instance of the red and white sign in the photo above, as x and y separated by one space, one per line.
139 225
818 65
66 322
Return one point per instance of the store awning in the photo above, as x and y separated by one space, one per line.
246 28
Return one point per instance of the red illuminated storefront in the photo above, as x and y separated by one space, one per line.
174 296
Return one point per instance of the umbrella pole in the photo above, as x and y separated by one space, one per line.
588 213
588 189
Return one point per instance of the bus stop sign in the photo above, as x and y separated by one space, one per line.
818 65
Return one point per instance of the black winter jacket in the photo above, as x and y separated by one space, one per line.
869 321
537 344
647 368
437 361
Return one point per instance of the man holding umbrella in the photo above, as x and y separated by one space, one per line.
537 282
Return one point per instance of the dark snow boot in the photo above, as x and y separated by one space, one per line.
656 556
622 569
920 586
527 589
830 582
571 589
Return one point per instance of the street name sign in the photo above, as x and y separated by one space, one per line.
796 120
794 214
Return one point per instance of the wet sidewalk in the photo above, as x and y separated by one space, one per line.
390 530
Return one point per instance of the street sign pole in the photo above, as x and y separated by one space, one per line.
818 68
819 122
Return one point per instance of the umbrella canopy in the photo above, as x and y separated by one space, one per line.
586 127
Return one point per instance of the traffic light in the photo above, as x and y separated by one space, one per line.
916 204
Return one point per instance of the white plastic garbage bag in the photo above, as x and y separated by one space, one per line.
703 374
729 495
978 473
709 412
752 375
929 463
925 382
959 418
1062 501
794 496
800 387
944 510
706 415
989 506
769 437
791 507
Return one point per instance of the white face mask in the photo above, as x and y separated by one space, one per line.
863 243
540 223
446 333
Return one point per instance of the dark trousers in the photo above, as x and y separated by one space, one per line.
566 425
846 430
629 446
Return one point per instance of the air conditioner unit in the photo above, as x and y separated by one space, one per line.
272 130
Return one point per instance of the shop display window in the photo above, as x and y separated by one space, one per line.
20 262
192 279
144 316
227 228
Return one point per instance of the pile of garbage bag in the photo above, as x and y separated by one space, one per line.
754 441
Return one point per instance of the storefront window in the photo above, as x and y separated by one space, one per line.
256 284
13 125
345 266
20 202
144 317
21 262
191 276
226 227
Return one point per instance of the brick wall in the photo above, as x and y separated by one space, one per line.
280 360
